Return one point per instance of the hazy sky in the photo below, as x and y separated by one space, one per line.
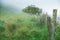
47 5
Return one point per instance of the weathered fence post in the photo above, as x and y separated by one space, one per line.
49 26
54 24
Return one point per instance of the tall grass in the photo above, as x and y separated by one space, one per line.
27 27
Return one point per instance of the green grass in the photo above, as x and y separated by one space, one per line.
25 27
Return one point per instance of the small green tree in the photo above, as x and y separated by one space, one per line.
32 10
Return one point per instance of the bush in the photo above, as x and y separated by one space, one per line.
57 33
2 26
35 35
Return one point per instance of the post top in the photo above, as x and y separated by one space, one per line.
55 10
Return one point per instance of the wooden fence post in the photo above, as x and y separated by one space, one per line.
49 26
54 24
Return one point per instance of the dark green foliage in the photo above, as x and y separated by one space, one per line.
32 10
2 26
36 35
3 38
12 27
57 33
2 29
24 36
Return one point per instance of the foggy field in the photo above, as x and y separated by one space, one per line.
29 20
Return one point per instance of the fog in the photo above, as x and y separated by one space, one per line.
46 5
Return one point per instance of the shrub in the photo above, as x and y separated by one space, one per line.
2 26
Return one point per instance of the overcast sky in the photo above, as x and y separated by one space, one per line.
46 5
